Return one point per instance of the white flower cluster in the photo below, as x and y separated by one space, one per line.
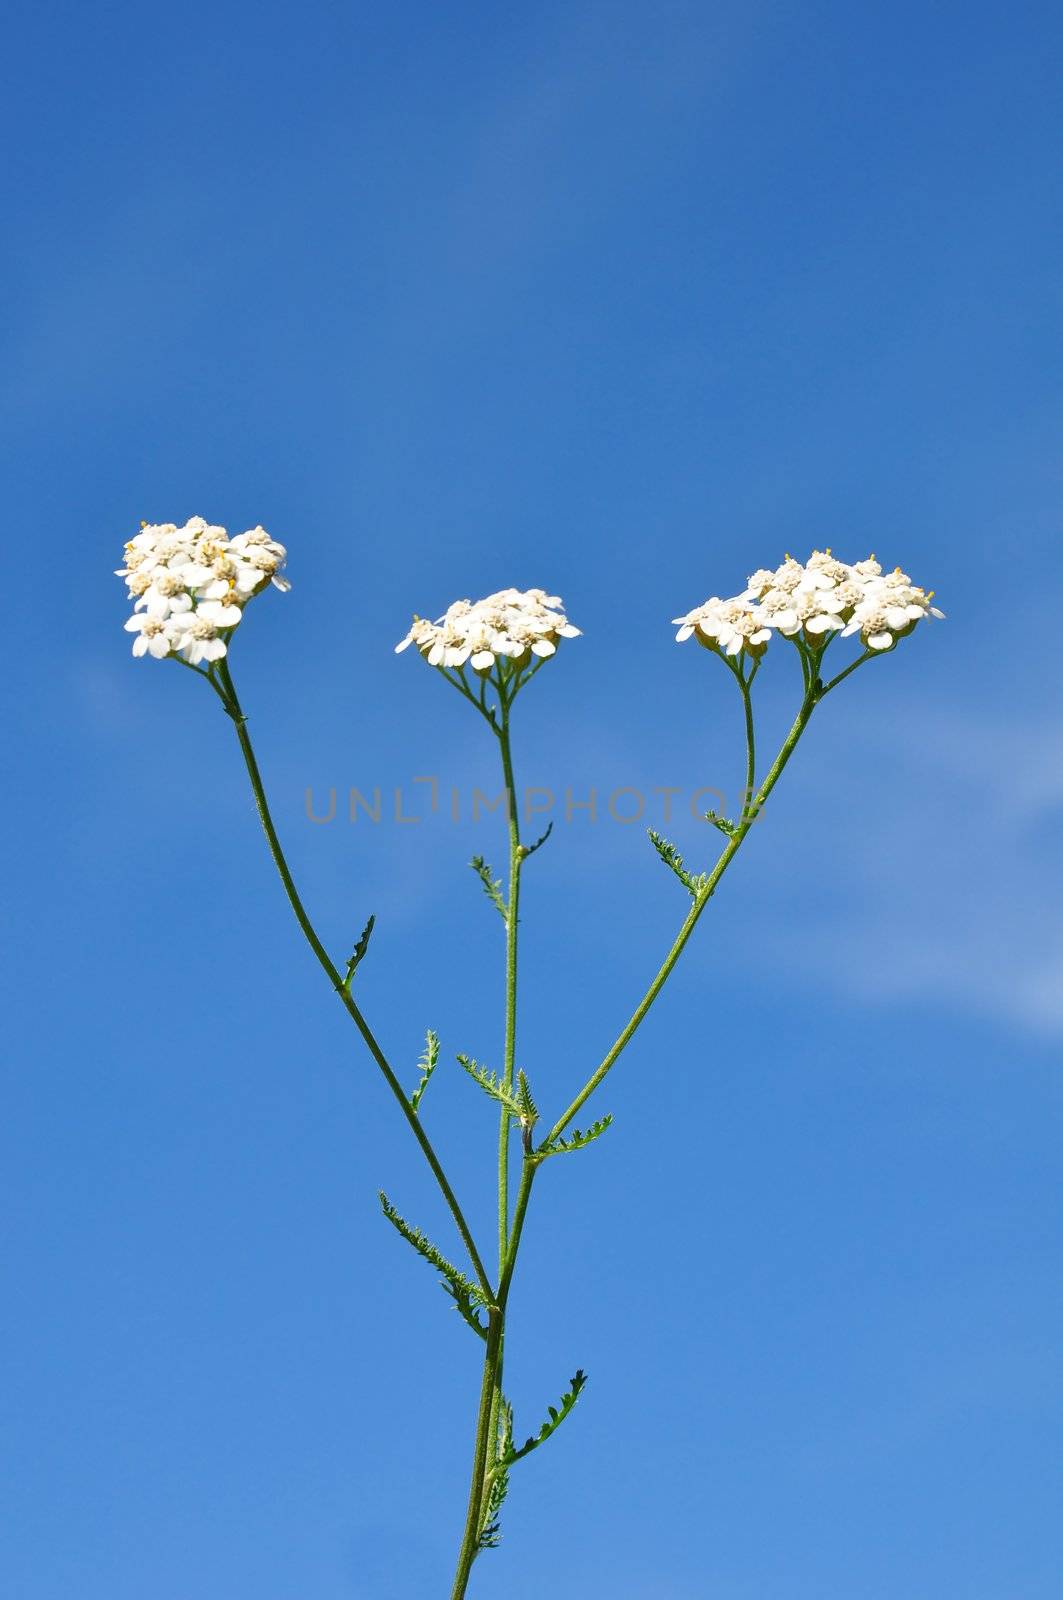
512 624
812 600
189 585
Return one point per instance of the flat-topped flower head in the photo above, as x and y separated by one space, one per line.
810 602
189 585
504 631
726 626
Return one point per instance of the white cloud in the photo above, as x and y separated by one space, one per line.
949 868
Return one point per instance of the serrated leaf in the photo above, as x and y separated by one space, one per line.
497 1482
527 850
556 1417
427 1064
467 1296
529 1111
674 861
724 824
490 1084
360 949
577 1139
492 886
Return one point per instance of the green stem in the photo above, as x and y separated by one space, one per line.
226 690
510 1046
745 684
868 655
486 1443
690 923
470 1539
487 1416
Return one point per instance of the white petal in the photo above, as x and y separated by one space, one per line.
684 633
880 641
543 647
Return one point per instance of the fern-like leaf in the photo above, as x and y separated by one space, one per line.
529 1111
693 883
360 949
556 1417
725 825
492 886
427 1064
498 1482
527 850
577 1139
490 1084
466 1295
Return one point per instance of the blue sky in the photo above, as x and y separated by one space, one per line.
624 300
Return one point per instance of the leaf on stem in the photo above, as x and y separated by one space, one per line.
577 1139
427 1064
529 1111
527 850
359 951
498 1482
492 886
467 1296
674 861
490 1084
724 824
556 1417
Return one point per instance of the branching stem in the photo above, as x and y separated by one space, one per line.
221 680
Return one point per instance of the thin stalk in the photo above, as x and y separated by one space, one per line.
470 1539
868 655
510 1046
484 1455
691 920
486 1442
226 690
745 685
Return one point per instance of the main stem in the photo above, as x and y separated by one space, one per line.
486 1444
226 691
486 1447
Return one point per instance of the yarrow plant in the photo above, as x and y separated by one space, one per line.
190 585
189 588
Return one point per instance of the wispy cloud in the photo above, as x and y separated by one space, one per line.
970 920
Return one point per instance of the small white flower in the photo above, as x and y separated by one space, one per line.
512 625
189 585
809 601
154 635
730 626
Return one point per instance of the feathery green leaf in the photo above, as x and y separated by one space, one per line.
490 1084
467 1296
427 1064
359 951
497 1482
724 824
674 861
492 886
556 1417
529 1111
577 1140
527 850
